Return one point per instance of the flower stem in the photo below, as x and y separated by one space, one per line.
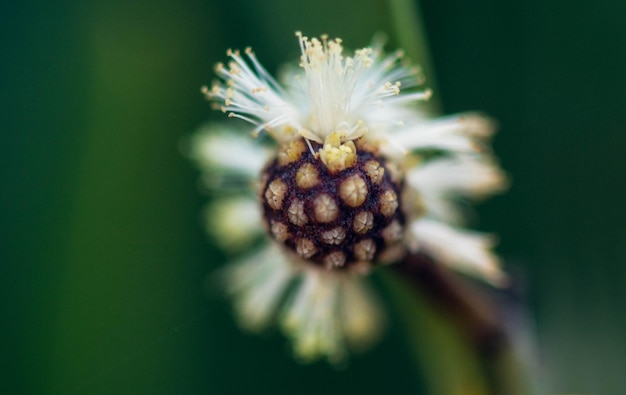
460 335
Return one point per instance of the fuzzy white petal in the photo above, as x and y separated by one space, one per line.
442 207
227 149
330 93
361 314
250 93
325 315
344 90
310 318
440 182
460 249
458 133
466 175
258 284
234 222
330 314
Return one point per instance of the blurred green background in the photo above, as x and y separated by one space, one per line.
103 254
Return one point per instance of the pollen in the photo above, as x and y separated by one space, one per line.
305 248
296 213
326 209
333 219
307 176
374 171
392 233
280 231
338 156
364 250
369 145
291 152
275 194
388 203
335 259
363 221
353 191
334 236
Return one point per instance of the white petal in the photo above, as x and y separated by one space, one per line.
441 182
362 316
258 284
330 93
442 207
310 318
224 148
466 175
234 222
463 250
326 315
459 133
249 92
343 91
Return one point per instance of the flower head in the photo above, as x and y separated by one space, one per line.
358 177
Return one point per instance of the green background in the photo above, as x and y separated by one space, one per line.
103 256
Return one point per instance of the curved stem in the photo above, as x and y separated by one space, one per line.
461 333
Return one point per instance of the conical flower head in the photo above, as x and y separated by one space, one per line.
358 176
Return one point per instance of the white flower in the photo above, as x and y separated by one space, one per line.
358 176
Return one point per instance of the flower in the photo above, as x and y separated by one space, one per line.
357 177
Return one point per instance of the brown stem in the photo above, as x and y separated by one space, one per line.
480 313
